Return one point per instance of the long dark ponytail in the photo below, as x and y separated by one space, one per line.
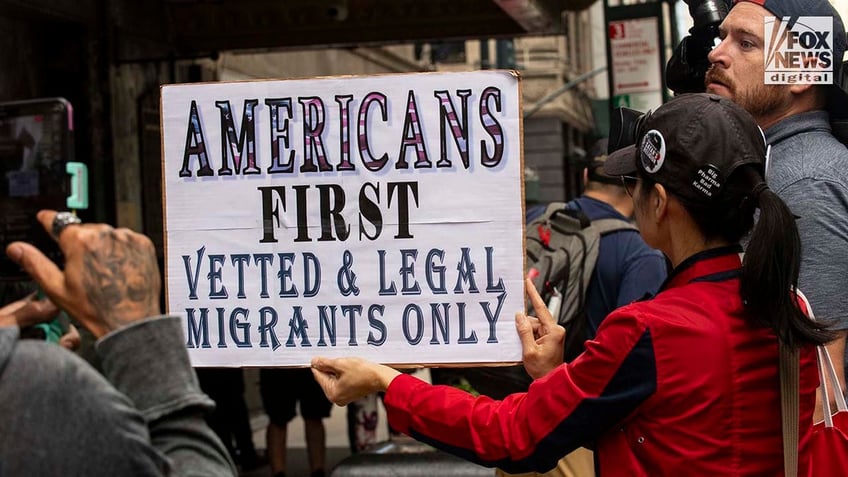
772 258
771 266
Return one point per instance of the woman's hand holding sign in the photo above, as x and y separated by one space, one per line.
542 338
348 379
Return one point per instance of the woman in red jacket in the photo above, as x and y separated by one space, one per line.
685 383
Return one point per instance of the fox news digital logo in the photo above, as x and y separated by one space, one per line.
802 54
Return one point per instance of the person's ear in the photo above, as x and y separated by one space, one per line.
659 202
809 92
585 177
799 88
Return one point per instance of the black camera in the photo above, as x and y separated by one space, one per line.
688 65
624 128
685 70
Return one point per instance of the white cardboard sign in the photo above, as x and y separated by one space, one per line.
378 217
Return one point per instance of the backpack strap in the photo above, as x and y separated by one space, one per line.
608 226
789 407
551 209
565 213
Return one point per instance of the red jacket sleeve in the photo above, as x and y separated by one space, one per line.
571 406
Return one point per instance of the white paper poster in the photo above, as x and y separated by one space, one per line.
636 65
378 217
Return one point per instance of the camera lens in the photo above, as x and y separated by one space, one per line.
707 12
624 127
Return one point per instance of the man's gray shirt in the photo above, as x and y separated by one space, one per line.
808 169
143 416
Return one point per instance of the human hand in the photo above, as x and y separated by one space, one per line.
347 379
27 312
71 340
110 280
542 339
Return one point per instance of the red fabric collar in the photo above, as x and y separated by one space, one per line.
708 262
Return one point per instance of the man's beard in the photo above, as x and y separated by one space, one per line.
760 99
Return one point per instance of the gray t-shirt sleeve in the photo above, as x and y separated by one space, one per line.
823 226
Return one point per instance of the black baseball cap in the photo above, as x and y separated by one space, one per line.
793 9
691 145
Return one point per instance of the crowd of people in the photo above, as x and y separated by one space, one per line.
686 383
667 385
683 381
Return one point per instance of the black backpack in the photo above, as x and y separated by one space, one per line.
562 250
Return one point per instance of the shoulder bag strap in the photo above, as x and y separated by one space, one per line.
789 407
828 372
605 226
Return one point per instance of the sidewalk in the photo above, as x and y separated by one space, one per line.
297 464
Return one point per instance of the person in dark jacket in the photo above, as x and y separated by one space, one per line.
685 383
144 415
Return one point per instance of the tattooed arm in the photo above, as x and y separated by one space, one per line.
110 284
110 280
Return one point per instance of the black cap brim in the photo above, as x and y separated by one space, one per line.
621 162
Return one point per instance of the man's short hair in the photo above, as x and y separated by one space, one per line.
594 164
837 93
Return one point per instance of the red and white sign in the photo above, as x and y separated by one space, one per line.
636 65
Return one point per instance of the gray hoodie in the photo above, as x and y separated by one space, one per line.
142 416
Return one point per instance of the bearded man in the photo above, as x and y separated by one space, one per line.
808 166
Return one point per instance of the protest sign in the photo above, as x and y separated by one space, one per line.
376 216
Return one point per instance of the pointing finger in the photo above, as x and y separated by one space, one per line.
539 306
